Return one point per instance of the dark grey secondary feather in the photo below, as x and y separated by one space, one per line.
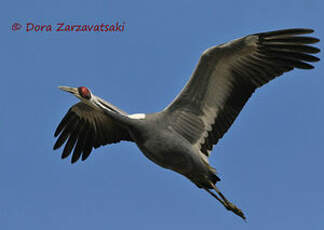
228 74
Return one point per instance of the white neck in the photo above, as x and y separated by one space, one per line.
137 116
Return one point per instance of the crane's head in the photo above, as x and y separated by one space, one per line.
85 95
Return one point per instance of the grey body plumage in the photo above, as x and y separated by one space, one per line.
182 136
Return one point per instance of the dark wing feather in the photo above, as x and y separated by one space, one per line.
228 74
85 128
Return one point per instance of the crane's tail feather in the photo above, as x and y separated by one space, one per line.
227 204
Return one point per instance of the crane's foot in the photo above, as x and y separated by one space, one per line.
228 205
232 207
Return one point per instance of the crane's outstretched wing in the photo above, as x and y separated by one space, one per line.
228 74
85 128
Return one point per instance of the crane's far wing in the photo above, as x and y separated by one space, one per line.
227 75
84 128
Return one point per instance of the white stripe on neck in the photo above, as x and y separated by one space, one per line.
137 116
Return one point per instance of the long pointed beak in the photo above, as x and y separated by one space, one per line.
69 89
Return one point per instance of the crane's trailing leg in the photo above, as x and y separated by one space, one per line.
228 205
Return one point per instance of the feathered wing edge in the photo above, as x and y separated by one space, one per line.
84 128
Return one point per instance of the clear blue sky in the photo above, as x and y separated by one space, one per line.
270 162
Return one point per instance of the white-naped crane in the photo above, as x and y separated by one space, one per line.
182 136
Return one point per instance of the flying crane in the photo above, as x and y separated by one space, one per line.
181 136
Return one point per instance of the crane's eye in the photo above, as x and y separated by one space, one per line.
84 92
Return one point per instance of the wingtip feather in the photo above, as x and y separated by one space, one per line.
294 31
